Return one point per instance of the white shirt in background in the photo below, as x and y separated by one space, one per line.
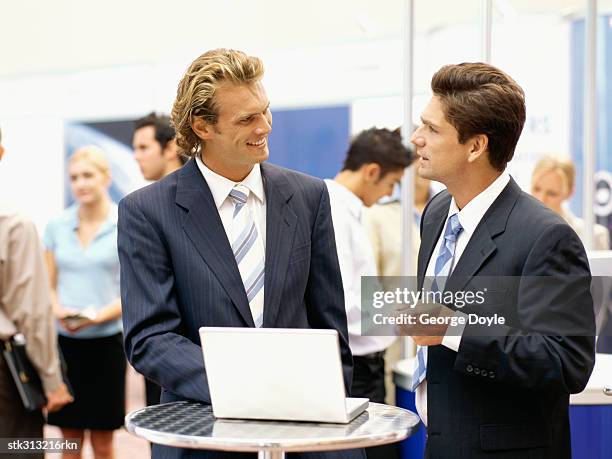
356 259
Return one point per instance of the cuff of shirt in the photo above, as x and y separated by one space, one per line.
454 332
52 381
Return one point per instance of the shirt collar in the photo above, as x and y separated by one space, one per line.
350 199
220 186
472 213
111 217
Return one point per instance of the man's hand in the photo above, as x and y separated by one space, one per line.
58 398
431 322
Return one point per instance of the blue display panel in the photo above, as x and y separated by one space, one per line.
312 140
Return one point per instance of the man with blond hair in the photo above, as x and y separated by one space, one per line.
227 240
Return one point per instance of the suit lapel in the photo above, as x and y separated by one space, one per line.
482 245
478 250
281 223
205 230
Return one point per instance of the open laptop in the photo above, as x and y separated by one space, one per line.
277 374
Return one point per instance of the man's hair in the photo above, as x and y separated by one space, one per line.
196 91
164 132
478 98
379 146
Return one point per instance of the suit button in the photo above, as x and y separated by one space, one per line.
476 371
492 374
483 373
469 368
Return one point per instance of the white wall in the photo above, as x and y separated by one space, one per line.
540 66
366 75
32 169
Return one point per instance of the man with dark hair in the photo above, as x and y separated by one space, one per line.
500 389
375 162
155 149
157 154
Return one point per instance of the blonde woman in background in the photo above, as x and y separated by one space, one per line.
552 183
83 267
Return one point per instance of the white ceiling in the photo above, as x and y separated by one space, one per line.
57 36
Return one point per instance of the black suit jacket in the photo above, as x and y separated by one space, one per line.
505 393
178 273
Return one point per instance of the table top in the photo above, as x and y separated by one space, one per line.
193 425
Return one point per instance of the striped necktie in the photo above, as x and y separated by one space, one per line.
442 269
248 249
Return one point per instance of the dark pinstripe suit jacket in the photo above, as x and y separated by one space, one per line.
178 273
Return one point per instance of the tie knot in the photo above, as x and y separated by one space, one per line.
453 228
239 194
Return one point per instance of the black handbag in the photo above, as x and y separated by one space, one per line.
24 374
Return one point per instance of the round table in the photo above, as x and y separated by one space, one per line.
193 425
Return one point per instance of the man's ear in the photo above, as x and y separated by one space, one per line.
201 128
171 150
371 172
1 151
479 146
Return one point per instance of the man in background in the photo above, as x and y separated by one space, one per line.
25 308
155 149
374 164
157 154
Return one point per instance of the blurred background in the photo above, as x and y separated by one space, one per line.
74 71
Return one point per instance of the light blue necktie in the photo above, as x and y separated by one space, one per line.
442 269
248 249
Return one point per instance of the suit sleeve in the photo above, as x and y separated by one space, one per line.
151 315
552 348
324 292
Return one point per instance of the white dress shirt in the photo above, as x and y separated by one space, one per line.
469 217
220 188
356 259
